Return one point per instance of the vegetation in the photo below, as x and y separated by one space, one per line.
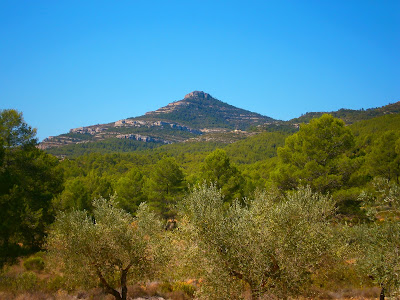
108 146
316 156
380 240
28 182
270 245
109 247
351 116
266 214
217 169
203 111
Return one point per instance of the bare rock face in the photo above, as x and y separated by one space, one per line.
195 96
198 94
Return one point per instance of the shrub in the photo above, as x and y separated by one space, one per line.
185 287
27 281
56 283
34 263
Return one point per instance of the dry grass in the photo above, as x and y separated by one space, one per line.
154 290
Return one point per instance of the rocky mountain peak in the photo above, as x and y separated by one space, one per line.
198 94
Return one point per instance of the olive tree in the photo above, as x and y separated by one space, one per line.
379 255
382 200
271 244
108 248
379 241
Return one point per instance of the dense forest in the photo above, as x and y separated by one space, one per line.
312 212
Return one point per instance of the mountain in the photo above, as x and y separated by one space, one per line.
198 113
198 117
202 111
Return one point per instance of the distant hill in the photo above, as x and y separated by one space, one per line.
197 118
369 130
350 116
196 115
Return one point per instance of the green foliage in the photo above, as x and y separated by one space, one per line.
208 112
256 148
258 175
280 243
27 281
166 185
277 126
56 282
187 288
349 205
129 189
379 254
34 263
350 116
78 192
384 159
108 146
218 170
382 200
273 244
190 147
366 132
379 242
14 131
111 248
316 156
23 282
343 275
28 182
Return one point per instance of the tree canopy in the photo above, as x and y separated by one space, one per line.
271 244
316 156
28 182
111 248
217 169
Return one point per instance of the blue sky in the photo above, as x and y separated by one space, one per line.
66 64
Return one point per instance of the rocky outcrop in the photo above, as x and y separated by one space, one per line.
149 124
142 138
57 141
197 94
93 130
130 122
171 107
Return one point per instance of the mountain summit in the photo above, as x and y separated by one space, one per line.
197 113
197 94
200 110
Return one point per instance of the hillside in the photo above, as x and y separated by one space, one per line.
202 111
196 115
197 118
351 116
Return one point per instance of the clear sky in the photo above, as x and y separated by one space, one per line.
67 64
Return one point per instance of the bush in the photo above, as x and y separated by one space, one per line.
27 281
35 263
56 283
185 287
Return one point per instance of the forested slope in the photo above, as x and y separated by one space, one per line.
267 212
